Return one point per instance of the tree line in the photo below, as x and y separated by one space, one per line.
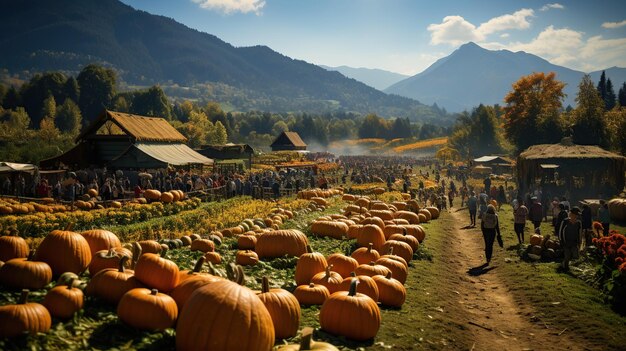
533 113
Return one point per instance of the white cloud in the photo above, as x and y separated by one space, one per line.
456 30
504 35
232 6
546 7
613 25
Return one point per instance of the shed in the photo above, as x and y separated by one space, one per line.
289 141
582 170
228 151
125 141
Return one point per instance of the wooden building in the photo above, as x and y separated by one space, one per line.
124 141
228 152
288 141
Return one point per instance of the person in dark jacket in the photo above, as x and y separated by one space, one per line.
570 233
536 212
490 226
560 218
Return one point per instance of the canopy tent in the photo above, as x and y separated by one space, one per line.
10 167
583 170
151 155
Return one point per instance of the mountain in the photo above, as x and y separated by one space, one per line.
376 78
146 49
472 75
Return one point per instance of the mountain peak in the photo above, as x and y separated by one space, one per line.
470 46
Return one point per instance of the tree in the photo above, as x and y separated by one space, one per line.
401 128
37 90
374 127
589 125
68 118
218 135
279 127
48 133
15 124
477 134
151 102
602 86
609 99
532 108
12 99
97 89
49 108
615 126
120 104
71 89
621 97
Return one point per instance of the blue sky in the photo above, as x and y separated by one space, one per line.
407 36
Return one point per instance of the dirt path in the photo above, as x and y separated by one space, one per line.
496 322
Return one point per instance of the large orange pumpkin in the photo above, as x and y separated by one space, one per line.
23 317
333 229
400 248
391 292
111 284
147 309
309 264
365 255
157 272
366 286
342 264
24 273
182 292
409 239
350 314
99 239
12 247
371 234
64 251
398 269
311 294
331 280
284 309
307 343
107 259
224 316
63 301
278 243
371 269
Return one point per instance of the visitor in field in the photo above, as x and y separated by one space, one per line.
520 213
570 233
463 195
586 220
451 194
555 210
482 206
501 197
536 212
604 217
490 227
472 205
562 216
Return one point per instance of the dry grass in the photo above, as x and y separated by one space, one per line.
422 144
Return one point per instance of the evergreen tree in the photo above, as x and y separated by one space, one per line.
12 99
97 89
621 97
588 117
609 99
71 89
68 118
602 86
220 135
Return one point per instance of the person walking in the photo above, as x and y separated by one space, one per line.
536 212
520 213
490 227
570 233
560 218
472 205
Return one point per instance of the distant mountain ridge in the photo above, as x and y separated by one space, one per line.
375 78
146 49
472 75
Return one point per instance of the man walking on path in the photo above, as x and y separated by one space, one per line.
472 205
520 213
536 212
570 234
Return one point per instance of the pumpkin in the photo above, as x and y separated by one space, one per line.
342 264
331 280
213 257
111 284
309 264
391 292
434 211
152 194
203 245
246 258
284 309
393 229
194 272
365 255
63 301
378 205
246 241
411 217
333 229
536 239
107 259
156 272
371 269
362 202
353 315
25 273
354 230
307 343
397 267
311 294
224 316
64 251
348 197
12 247
147 309
150 246
186 240
99 239
367 285
371 234
400 248
375 221
182 292
425 214
23 317
409 239
278 243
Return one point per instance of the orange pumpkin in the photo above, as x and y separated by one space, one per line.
203 245
366 286
25 273
400 248
392 229
23 317
409 239
311 294
398 269
353 315
331 280
63 301
371 269
371 234
157 272
416 231
284 309
278 243
391 292
365 255
411 217
111 284
147 309
107 259
333 229
150 246
246 258
354 230
240 323
99 239
64 251
213 257
12 247
246 241
309 264
375 221
182 292
342 264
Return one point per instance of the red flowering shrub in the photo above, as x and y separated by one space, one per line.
613 246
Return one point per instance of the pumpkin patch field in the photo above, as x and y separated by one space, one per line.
187 279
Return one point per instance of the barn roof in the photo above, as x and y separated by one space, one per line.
571 151
140 128
289 137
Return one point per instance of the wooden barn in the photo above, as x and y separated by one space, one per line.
288 141
124 141
581 170
228 152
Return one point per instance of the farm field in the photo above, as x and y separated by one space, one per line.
451 303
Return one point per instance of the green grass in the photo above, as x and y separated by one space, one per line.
559 300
